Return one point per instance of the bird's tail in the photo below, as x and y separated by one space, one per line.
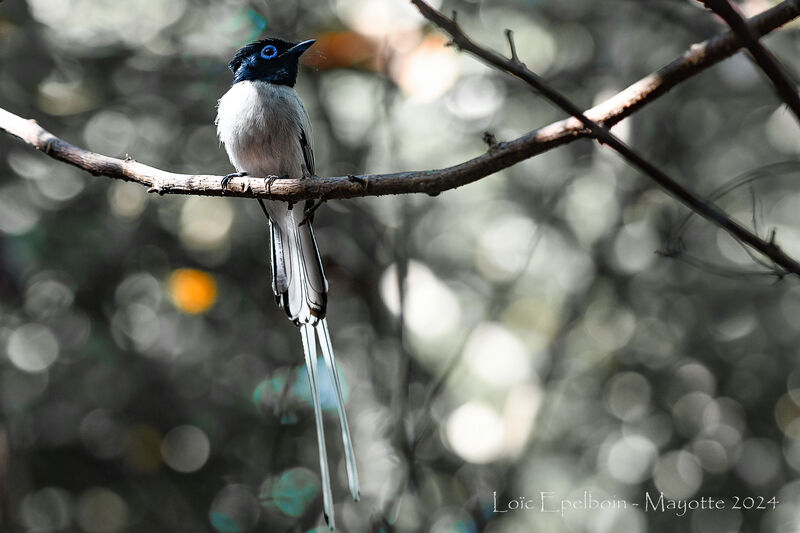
347 442
310 349
310 335
300 287
298 280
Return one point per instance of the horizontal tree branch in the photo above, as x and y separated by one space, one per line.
501 155
700 205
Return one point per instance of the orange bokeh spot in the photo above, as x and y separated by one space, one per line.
344 49
143 448
192 291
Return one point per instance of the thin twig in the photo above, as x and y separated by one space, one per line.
675 248
763 58
490 139
309 211
512 46
598 130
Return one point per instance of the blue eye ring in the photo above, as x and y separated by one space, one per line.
269 51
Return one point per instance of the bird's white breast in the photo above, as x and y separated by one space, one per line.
260 125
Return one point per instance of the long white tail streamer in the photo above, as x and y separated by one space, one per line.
330 362
310 349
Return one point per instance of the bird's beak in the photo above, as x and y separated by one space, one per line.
299 48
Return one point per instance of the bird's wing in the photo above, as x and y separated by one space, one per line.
305 138
308 151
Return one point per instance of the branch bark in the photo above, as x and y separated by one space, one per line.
598 130
502 155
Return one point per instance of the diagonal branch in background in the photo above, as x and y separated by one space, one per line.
598 130
501 155
764 59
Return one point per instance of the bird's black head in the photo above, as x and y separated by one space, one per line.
271 60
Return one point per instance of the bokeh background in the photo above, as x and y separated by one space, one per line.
561 326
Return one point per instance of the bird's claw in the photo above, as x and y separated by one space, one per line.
270 181
228 178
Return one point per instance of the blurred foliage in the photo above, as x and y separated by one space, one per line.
516 336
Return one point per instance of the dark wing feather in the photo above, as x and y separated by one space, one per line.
308 153
308 157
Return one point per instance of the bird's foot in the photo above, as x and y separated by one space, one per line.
271 180
228 178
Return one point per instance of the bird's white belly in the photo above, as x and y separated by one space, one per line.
260 125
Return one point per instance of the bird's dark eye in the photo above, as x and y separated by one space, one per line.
269 51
